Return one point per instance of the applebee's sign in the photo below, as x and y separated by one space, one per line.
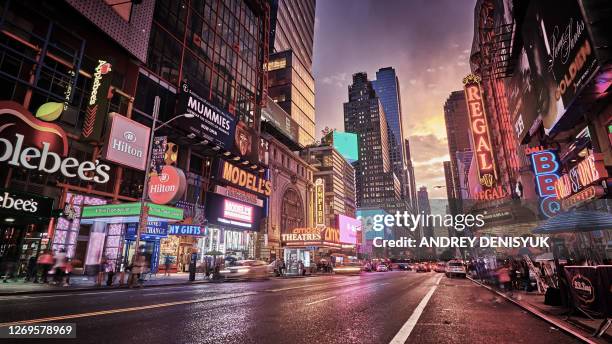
33 144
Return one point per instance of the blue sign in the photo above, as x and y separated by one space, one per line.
154 231
186 230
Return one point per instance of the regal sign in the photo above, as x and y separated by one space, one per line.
589 171
480 131
30 143
98 100
168 186
491 194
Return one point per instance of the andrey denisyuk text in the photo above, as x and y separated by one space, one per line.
464 242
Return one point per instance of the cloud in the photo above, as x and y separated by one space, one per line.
431 85
338 79
428 149
455 45
413 81
461 63
429 70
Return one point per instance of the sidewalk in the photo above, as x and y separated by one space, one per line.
534 303
18 286
80 283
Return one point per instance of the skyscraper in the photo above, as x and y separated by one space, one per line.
387 90
425 208
376 184
459 144
410 178
292 25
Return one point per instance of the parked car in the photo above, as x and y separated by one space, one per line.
440 267
382 268
455 268
247 269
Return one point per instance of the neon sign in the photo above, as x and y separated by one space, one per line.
480 131
319 202
589 171
546 167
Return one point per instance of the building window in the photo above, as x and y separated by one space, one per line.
292 212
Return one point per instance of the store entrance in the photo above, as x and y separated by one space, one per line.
293 258
18 244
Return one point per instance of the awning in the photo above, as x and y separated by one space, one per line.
129 212
576 221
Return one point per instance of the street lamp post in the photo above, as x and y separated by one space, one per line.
144 209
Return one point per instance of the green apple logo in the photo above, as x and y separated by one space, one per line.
49 112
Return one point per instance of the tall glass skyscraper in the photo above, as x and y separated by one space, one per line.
387 90
293 28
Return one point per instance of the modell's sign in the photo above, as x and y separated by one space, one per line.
589 171
127 142
244 179
480 131
97 103
30 143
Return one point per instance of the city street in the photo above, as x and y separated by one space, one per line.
370 308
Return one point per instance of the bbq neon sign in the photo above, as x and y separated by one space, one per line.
546 170
481 138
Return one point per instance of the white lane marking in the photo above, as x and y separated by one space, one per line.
124 310
325 299
404 332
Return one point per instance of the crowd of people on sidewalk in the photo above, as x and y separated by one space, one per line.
54 269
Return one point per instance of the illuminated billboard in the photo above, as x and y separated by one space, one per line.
349 229
231 213
346 145
480 131
367 218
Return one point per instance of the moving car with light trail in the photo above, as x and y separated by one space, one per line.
348 269
247 269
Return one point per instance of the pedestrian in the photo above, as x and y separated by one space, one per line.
110 268
45 261
101 271
67 273
167 262
60 265
138 266
10 261
283 267
503 275
31 270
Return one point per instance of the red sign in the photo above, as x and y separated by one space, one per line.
583 196
168 186
589 171
480 131
98 102
30 143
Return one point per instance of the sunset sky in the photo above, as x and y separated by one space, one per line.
427 42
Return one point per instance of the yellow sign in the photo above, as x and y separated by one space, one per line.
246 179
319 202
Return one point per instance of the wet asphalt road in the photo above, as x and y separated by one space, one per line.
370 308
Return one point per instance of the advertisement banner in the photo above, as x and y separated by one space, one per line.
190 230
153 230
231 213
370 227
167 187
209 122
158 153
127 142
561 55
586 289
349 229
97 104
256 183
319 189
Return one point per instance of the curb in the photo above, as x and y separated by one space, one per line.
101 289
535 312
